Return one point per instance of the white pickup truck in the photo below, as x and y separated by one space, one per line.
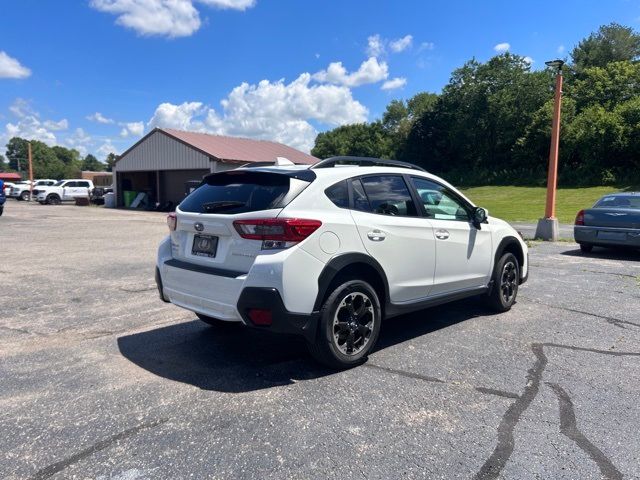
63 190
21 190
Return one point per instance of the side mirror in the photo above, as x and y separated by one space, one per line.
479 217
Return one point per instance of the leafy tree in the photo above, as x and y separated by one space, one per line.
111 161
4 166
360 139
71 160
614 83
91 163
17 153
45 162
611 43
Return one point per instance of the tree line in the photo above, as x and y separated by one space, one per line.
50 162
491 124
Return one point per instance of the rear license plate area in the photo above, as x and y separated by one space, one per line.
204 246
612 235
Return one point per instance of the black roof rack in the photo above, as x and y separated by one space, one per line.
363 162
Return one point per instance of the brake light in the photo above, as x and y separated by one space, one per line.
172 221
276 232
260 316
580 218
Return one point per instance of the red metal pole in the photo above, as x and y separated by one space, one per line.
30 172
552 177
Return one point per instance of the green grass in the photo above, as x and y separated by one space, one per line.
526 204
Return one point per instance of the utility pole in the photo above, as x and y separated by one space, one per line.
30 171
547 228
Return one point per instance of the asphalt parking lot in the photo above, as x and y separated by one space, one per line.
99 379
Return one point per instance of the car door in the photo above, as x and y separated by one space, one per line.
394 234
68 190
463 252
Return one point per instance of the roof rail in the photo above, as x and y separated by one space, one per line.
363 162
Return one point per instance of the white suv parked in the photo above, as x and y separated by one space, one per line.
63 190
22 190
328 253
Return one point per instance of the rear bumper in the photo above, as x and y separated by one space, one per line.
199 290
283 321
607 236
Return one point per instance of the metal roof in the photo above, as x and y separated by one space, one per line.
232 149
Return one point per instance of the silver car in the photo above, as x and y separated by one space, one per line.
614 221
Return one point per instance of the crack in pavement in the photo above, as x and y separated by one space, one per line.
569 428
612 320
498 459
57 467
496 462
426 378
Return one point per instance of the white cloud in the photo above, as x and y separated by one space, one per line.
21 108
30 128
180 117
105 149
269 110
135 129
12 68
560 49
230 4
375 46
502 47
401 44
370 71
99 118
55 126
171 18
394 83
529 60
426 46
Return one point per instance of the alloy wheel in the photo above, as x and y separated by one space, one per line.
353 323
508 282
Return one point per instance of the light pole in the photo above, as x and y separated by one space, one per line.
548 226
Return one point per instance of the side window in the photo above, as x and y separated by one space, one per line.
440 203
69 185
83 184
389 195
360 200
338 194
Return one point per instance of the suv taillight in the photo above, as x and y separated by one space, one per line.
172 221
580 218
276 232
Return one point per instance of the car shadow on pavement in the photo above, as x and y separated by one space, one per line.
606 253
238 359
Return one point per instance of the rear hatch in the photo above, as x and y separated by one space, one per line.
205 233
614 211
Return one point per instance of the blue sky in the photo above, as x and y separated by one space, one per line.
97 74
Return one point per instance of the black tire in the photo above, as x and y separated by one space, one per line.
340 324
214 322
1 211
53 199
25 196
506 279
586 247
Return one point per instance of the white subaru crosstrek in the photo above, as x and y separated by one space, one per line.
329 251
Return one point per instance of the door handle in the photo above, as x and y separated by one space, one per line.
442 234
376 235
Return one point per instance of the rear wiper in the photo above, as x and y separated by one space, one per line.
210 207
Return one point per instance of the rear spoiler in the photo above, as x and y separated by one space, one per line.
305 174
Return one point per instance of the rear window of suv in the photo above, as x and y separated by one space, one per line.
240 192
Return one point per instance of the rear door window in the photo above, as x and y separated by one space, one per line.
389 195
240 192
